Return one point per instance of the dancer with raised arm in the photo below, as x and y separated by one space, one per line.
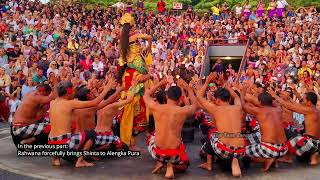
227 142
308 142
61 110
132 66
273 138
166 146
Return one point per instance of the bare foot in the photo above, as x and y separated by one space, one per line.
28 141
55 161
83 163
236 171
206 166
170 172
285 159
157 167
134 148
314 159
267 164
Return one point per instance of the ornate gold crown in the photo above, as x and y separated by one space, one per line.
127 18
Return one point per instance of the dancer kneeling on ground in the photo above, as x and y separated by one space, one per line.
309 142
27 127
105 137
61 110
85 119
288 122
165 145
227 142
273 138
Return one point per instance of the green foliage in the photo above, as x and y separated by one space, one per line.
204 4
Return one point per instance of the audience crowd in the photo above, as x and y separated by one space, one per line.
73 43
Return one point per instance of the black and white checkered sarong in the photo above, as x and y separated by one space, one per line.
74 141
224 151
206 146
103 138
302 144
30 130
266 150
253 138
178 159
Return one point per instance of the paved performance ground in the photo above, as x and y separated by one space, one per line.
31 168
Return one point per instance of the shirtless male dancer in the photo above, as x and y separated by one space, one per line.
273 137
165 146
27 127
227 142
61 110
105 136
85 119
288 123
308 142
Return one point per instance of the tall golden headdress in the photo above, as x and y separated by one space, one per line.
127 18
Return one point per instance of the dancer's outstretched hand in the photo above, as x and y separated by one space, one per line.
181 83
271 92
163 81
212 76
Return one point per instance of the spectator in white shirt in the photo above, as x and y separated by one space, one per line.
119 5
281 5
14 102
30 21
23 67
233 39
238 9
97 65
53 68
27 87
198 64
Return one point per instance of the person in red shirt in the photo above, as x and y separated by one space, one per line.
161 6
3 28
242 37
86 64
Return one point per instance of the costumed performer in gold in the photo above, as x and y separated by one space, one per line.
133 119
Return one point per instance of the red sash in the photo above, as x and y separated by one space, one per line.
225 148
274 148
212 131
173 152
47 129
63 141
20 124
107 133
128 79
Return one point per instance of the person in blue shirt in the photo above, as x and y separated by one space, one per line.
44 63
27 87
3 57
271 41
262 22
260 30
39 77
253 16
